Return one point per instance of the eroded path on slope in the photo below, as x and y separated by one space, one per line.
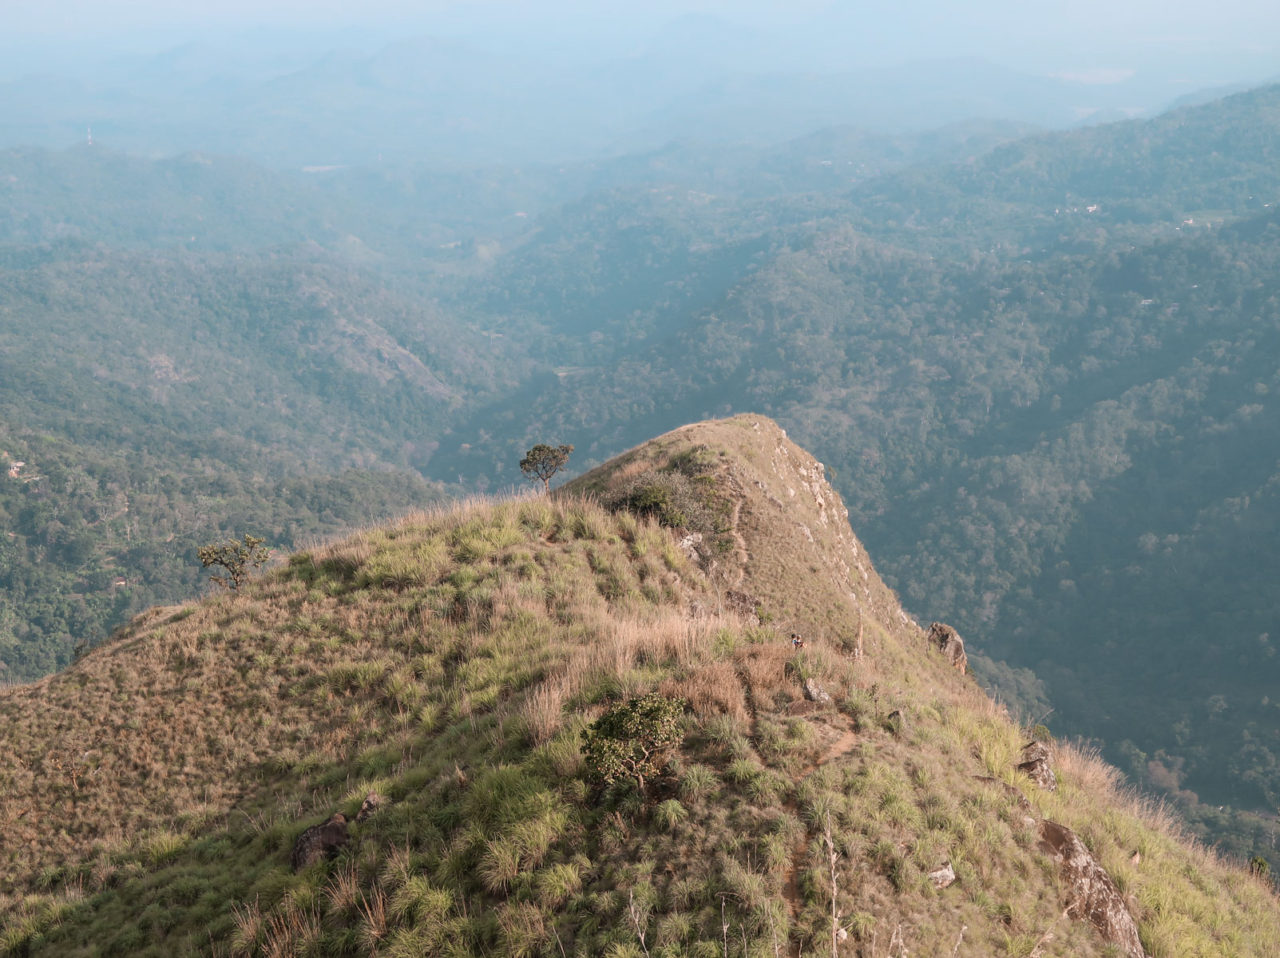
842 742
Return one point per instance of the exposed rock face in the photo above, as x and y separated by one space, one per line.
1091 894
689 545
319 842
815 692
372 802
742 604
1037 762
896 721
944 876
948 640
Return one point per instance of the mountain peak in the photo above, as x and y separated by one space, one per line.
780 515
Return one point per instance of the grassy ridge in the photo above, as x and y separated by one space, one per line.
336 670
451 662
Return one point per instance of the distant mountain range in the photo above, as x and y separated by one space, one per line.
448 103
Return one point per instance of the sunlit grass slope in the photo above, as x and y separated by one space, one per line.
451 662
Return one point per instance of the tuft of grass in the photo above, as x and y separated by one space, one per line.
670 814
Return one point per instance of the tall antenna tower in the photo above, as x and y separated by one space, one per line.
89 130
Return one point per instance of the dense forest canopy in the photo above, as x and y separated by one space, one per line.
1040 370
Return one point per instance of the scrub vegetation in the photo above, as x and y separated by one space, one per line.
1040 369
456 661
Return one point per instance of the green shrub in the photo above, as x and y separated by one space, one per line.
627 740
668 496
237 558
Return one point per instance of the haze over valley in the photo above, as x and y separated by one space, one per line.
1012 278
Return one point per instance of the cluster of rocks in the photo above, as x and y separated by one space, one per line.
815 692
1090 893
742 604
943 876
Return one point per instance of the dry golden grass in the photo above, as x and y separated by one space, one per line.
198 707
620 650
451 660
711 690
764 671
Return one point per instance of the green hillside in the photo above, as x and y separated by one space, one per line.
454 662
1036 410
1039 371
158 401
197 347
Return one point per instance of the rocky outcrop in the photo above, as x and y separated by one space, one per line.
319 842
1037 763
949 642
689 546
815 692
742 604
944 876
1091 894
369 807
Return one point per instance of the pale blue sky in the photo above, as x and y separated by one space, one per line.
929 26
1189 44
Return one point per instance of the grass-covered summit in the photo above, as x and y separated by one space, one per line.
454 663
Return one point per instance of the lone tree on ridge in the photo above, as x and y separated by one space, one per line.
543 462
237 558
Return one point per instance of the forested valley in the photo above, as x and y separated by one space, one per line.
1040 368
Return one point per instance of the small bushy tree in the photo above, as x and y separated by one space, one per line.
237 558
543 462
627 741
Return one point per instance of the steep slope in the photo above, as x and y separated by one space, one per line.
198 347
159 401
855 796
1030 420
1041 380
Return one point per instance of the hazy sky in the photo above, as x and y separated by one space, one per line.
1094 38
1240 18
998 22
